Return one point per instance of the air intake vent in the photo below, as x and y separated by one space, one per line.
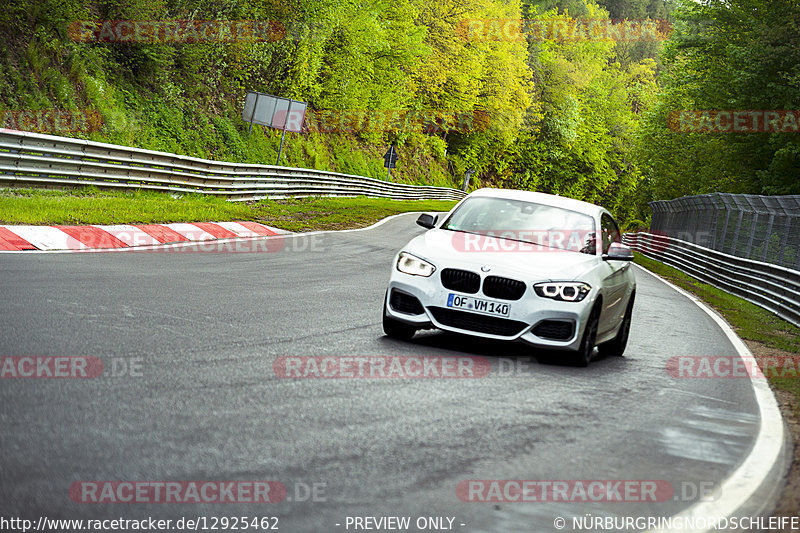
491 325
461 280
405 303
556 330
503 288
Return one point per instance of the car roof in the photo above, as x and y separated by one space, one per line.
542 198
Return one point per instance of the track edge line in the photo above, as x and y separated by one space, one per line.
753 488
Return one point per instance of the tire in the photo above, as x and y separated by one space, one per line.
397 330
583 355
616 346
394 328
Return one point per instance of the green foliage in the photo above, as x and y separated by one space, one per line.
554 116
579 135
731 55
89 205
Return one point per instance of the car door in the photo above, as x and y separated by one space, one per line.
614 279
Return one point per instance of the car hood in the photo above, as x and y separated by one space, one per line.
447 249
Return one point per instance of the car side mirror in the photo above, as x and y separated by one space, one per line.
618 252
427 221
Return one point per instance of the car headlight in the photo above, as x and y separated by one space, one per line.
411 264
565 291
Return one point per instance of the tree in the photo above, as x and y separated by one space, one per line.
734 55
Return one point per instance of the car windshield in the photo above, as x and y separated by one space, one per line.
544 225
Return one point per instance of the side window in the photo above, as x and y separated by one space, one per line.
610 231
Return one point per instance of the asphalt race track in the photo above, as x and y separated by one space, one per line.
201 332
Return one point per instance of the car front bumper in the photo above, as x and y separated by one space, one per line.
523 323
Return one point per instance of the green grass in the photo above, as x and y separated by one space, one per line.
93 206
751 322
305 214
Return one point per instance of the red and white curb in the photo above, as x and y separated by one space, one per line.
106 237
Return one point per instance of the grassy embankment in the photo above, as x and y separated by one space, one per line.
91 206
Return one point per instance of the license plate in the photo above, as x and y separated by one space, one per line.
476 305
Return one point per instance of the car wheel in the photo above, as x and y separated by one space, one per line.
584 353
616 346
396 329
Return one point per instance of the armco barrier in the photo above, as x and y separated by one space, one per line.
772 287
36 160
762 228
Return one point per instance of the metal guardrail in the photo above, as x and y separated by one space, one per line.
773 287
763 228
36 160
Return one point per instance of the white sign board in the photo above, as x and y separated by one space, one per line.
274 112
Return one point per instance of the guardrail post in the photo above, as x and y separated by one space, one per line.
797 257
736 233
724 230
690 223
768 237
784 238
714 211
668 219
753 225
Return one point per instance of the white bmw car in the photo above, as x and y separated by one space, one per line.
517 266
